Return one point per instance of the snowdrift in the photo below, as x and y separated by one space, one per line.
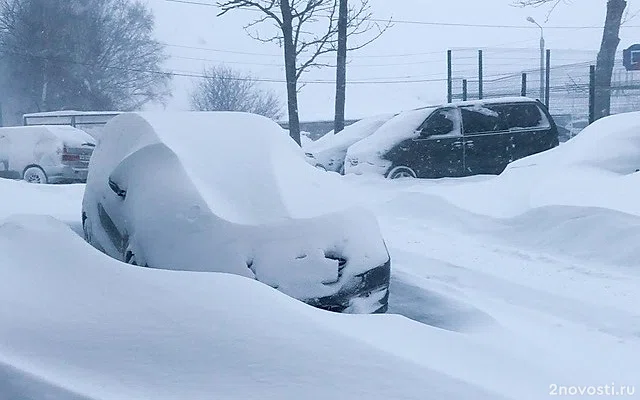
77 324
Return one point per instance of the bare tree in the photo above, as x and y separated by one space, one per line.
226 89
296 25
607 53
81 54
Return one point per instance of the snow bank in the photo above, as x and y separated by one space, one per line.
610 144
77 324
61 201
367 154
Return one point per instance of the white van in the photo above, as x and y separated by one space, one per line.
45 154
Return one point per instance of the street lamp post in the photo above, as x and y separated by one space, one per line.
533 21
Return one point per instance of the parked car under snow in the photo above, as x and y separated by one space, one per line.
45 154
228 192
328 152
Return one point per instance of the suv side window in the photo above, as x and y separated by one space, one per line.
482 119
443 122
525 116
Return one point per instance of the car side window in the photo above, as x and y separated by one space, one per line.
525 116
444 122
482 119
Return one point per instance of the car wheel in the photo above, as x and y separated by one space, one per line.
401 172
35 175
86 227
130 258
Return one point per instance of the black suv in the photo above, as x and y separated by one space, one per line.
456 139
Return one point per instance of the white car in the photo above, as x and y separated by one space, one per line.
45 154
228 192
328 152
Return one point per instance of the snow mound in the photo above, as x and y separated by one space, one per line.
78 324
610 144
573 232
62 201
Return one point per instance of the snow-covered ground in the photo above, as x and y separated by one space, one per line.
518 286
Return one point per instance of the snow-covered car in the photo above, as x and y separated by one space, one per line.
457 139
328 152
228 192
45 154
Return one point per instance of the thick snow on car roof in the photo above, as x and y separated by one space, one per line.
70 135
350 135
244 165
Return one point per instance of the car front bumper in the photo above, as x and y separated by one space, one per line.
366 293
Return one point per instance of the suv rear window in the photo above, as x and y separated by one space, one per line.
524 116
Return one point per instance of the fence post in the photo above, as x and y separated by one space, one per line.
523 91
449 78
547 89
480 75
464 90
592 94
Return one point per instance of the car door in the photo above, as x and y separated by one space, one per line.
439 148
486 139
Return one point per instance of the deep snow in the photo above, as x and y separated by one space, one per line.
515 283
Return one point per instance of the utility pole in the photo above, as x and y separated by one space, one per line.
449 77
341 67
542 47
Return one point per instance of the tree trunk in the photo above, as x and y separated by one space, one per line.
607 56
290 70
341 67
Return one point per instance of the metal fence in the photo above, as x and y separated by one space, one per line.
493 72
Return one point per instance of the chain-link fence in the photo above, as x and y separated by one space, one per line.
503 72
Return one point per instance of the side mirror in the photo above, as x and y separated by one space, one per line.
116 189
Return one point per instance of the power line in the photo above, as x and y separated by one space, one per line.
280 55
442 24
189 74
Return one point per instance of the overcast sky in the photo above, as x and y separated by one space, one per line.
406 52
